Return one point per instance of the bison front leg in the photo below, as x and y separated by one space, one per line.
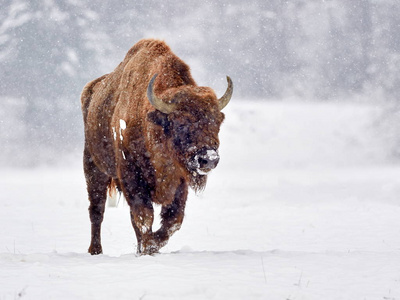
138 195
97 184
142 216
172 216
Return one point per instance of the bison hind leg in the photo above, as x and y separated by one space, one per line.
97 184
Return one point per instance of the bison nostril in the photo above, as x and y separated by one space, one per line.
208 160
203 162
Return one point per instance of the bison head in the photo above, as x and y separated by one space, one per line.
191 117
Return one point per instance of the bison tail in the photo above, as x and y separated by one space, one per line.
114 193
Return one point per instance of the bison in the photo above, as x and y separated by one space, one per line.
150 133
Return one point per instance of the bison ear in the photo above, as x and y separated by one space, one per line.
160 119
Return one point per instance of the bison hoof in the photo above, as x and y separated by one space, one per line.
150 251
150 248
95 250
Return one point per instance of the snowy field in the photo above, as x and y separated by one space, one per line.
304 205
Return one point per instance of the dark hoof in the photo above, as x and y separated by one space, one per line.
95 250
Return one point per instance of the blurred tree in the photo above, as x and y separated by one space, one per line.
272 49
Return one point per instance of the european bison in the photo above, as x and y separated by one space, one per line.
150 133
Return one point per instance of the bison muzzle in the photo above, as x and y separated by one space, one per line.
150 133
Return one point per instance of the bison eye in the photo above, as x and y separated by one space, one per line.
183 136
183 130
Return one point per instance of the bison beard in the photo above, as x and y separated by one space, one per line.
151 133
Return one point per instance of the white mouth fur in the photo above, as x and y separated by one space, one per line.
201 172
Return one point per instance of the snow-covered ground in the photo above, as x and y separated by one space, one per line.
304 205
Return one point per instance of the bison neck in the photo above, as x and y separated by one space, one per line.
168 176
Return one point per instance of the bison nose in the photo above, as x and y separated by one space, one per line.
207 159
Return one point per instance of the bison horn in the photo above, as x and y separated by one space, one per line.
224 100
157 102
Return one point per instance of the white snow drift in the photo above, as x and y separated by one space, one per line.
303 205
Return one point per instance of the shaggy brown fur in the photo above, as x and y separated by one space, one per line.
146 154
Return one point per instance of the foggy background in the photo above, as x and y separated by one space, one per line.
332 50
